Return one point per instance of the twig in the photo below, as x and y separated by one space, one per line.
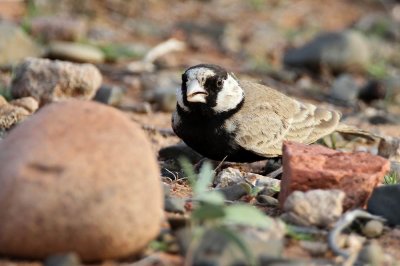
220 164
346 220
276 172
171 45
147 64
172 173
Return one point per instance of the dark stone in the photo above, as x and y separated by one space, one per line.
178 221
111 95
265 200
233 192
67 259
385 202
177 151
373 90
384 118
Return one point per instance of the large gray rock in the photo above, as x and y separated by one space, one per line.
15 44
49 81
338 51
78 176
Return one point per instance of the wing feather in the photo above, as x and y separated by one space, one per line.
269 117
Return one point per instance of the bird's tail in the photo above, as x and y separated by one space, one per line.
354 131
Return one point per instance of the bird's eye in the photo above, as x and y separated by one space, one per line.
219 83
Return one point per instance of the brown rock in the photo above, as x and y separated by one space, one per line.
49 81
307 167
15 111
389 147
28 103
78 177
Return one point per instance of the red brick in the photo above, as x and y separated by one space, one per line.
307 167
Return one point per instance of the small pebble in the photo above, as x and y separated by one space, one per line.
233 192
111 95
67 259
227 177
372 229
315 248
265 200
371 254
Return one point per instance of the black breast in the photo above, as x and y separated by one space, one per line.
207 136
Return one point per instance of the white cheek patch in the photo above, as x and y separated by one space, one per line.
179 99
230 96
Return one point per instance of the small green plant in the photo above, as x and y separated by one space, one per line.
5 92
378 69
391 179
32 9
115 52
252 191
257 4
31 12
329 141
290 232
157 245
381 28
210 212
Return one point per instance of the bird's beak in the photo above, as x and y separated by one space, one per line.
195 93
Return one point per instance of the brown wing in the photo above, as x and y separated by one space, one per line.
269 117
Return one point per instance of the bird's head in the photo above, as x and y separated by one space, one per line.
209 89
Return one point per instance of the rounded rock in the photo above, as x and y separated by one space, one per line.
15 111
78 177
64 80
76 52
372 229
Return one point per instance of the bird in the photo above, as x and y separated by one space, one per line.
224 118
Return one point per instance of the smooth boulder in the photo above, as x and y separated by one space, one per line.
338 51
78 177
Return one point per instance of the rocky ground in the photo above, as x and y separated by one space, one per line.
90 169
